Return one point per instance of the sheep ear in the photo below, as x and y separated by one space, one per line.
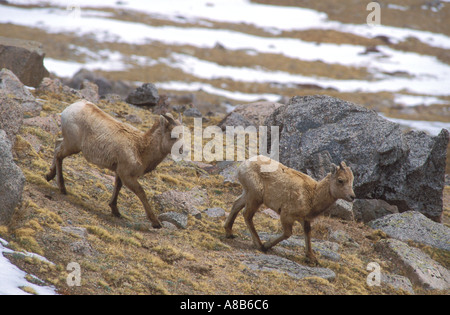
163 120
334 168
169 118
343 165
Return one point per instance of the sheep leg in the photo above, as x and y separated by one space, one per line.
250 209
50 175
115 195
61 152
237 207
52 172
287 232
136 188
309 252
60 176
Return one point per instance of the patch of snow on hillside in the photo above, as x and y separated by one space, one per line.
12 278
273 18
430 76
431 127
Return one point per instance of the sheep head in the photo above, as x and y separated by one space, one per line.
167 123
341 183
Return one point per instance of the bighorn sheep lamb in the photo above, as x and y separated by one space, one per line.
294 195
111 144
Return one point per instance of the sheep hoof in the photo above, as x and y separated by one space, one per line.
116 214
230 236
312 261
156 225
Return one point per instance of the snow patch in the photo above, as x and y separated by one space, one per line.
273 18
198 86
431 127
12 278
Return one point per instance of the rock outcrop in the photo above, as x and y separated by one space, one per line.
11 117
272 263
25 58
414 226
11 87
119 88
404 169
145 95
11 181
416 265
252 114
366 210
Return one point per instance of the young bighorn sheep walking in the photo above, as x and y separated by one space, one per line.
294 195
110 144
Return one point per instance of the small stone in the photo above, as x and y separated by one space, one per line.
180 220
168 225
192 112
133 119
183 201
366 210
82 247
215 212
147 94
397 282
341 209
274 263
78 231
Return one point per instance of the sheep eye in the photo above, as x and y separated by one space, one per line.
340 181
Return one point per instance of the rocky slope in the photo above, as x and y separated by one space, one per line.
190 255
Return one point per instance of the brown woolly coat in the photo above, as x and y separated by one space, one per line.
286 190
107 142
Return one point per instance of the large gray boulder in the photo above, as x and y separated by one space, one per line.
326 249
25 58
145 95
11 117
366 210
415 264
252 114
11 181
105 87
11 87
404 169
414 226
272 263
